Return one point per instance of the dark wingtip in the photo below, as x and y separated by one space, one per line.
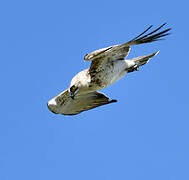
154 37
142 33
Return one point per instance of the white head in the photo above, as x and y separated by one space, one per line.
79 83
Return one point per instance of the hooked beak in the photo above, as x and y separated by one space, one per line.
72 93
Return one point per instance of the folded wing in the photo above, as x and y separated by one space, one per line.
63 104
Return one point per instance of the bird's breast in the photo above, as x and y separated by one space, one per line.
109 73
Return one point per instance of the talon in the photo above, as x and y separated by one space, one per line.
133 68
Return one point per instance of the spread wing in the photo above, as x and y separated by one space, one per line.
63 104
116 52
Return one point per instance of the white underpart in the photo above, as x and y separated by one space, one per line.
117 71
108 76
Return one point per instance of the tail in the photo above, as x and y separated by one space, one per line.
140 61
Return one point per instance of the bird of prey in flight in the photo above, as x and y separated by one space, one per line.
108 65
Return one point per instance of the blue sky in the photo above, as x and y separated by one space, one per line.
142 136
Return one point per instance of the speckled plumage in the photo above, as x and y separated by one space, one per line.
108 66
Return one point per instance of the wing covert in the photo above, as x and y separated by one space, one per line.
102 56
63 104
